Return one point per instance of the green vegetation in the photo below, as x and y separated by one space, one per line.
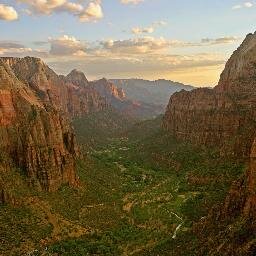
19 225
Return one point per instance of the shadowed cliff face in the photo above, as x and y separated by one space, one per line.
34 134
225 118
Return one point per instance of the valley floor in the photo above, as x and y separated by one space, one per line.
138 192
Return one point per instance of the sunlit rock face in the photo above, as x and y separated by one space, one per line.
33 133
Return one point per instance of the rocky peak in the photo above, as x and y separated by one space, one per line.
241 66
77 78
108 89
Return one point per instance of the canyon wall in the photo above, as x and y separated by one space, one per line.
224 118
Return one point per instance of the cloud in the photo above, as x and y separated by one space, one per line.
160 23
67 46
8 13
15 49
136 45
69 7
248 4
131 1
10 44
43 6
147 44
138 30
148 30
220 40
244 5
91 12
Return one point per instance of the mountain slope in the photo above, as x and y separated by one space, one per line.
116 97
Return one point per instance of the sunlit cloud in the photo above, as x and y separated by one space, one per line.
66 46
8 13
93 12
85 13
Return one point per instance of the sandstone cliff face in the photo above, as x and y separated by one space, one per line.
34 134
224 116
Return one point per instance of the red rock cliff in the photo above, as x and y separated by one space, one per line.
225 115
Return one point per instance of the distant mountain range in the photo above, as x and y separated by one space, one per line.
151 92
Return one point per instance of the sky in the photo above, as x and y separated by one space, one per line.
181 40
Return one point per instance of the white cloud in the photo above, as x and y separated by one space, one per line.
248 4
113 58
131 1
244 5
236 7
93 12
8 13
